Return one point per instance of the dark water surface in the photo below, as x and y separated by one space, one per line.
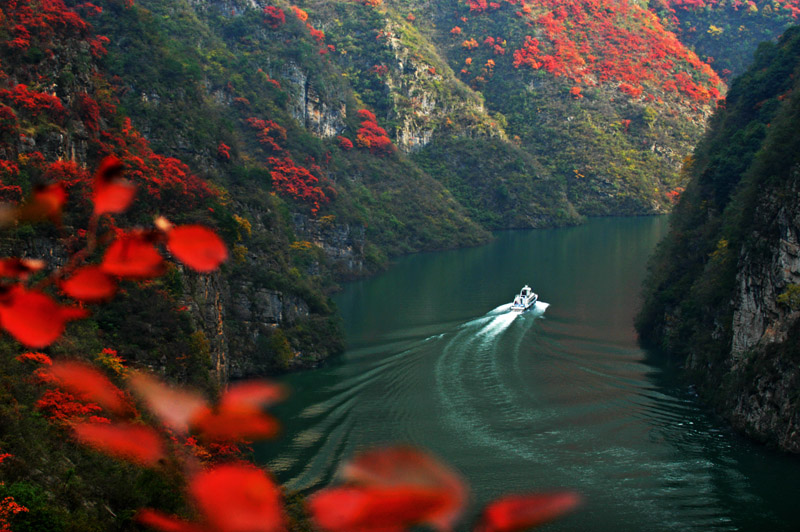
555 398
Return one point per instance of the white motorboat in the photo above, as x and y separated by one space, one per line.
525 300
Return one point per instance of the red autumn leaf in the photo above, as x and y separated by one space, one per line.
112 193
234 425
166 523
521 512
14 268
357 509
240 416
132 256
89 284
254 393
84 380
238 498
231 498
198 247
423 491
113 198
46 202
138 444
174 407
33 318
72 313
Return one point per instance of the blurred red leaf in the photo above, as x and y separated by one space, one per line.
231 498
240 416
33 318
391 489
198 247
166 523
73 313
132 256
235 425
89 284
49 200
84 380
14 268
114 197
45 203
174 407
520 512
253 393
112 193
138 444
238 498
357 509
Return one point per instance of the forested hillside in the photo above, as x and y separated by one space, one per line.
723 290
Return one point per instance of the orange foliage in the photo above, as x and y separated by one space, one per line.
299 13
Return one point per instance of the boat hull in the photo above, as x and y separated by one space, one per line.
524 307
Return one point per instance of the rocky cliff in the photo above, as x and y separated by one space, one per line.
724 288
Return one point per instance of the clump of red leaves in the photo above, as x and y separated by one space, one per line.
33 102
592 42
224 151
371 136
296 181
8 506
345 143
274 17
288 178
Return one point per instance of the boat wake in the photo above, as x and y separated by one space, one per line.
455 356
472 371
538 309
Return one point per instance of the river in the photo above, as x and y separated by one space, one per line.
558 397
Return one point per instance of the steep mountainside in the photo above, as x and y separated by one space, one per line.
724 288
604 96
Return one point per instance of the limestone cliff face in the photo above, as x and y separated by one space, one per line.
322 117
239 312
723 292
341 244
769 265
234 315
765 402
427 97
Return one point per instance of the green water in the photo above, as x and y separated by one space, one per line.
555 398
